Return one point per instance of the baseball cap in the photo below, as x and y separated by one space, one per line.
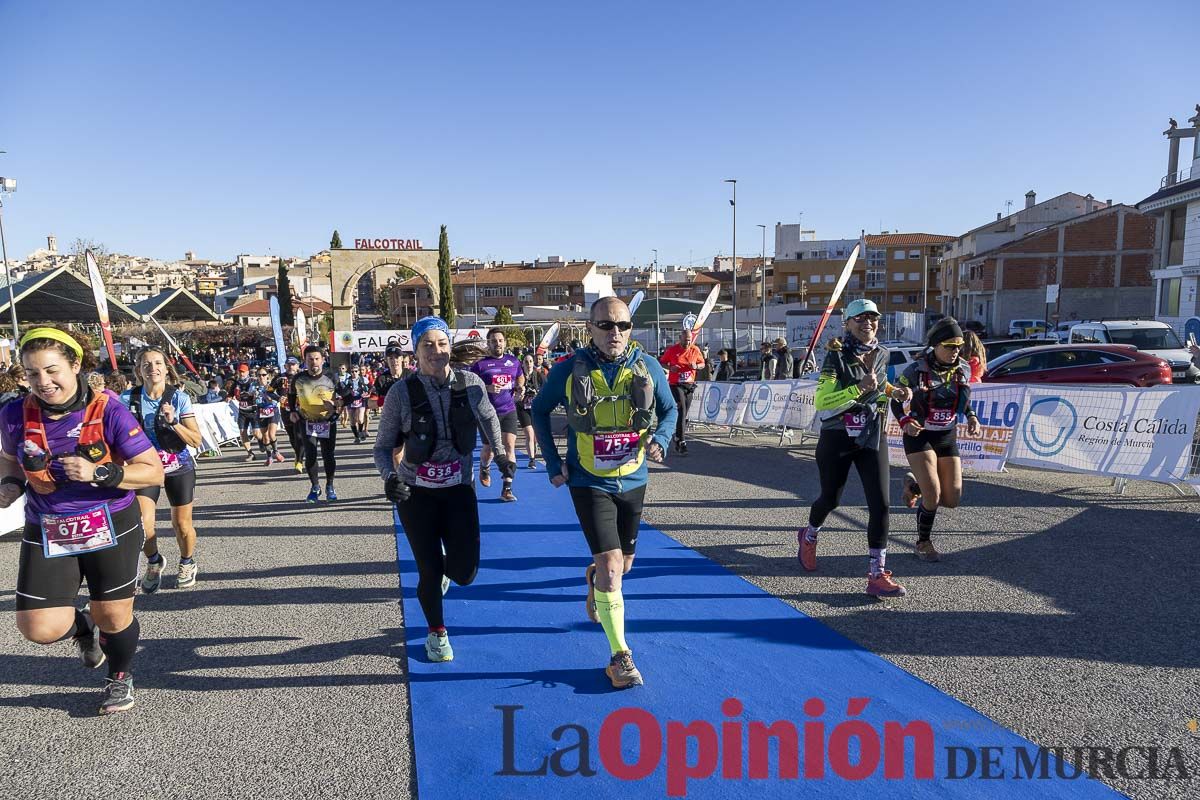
243 367
292 360
860 306
394 350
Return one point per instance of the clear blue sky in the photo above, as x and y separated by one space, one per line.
597 130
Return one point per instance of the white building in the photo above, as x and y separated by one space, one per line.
1177 203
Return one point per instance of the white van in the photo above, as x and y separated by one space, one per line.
1023 328
1149 336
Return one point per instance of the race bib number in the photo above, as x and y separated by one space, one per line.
941 417
687 376
266 412
77 534
246 403
357 403
613 450
432 475
170 462
854 421
318 430
502 382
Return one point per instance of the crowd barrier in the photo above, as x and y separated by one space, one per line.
218 424
1119 432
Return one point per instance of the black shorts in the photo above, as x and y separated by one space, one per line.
609 521
524 417
943 443
247 423
508 423
180 486
54 582
262 422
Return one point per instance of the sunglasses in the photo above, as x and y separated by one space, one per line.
863 319
609 324
263 374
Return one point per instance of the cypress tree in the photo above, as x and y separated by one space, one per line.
446 298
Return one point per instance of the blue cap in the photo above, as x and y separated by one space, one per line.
426 324
292 360
860 306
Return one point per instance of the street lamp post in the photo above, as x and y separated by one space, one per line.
8 185
733 260
762 283
657 309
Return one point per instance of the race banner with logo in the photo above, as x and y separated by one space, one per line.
998 407
1146 434
378 341
754 404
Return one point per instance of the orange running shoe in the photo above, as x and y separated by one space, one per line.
808 550
882 585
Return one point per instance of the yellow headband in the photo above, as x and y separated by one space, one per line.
56 335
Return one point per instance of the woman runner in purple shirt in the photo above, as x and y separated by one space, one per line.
77 456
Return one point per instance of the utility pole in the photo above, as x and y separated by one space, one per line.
657 309
762 284
733 261
8 185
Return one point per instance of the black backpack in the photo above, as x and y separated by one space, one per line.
168 440
422 439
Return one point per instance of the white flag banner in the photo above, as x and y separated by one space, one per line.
1148 434
998 407
218 424
378 341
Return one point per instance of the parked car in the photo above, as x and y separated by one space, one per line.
1079 363
974 326
1059 334
1150 336
999 347
900 355
1023 328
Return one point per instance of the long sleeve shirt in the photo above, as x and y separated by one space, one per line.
554 394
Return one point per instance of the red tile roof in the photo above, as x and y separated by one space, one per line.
257 307
906 239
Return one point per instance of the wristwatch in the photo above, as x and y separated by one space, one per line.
101 474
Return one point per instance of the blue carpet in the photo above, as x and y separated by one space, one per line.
528 660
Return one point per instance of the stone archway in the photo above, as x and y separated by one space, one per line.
347 266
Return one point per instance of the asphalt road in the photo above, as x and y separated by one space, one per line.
1060 610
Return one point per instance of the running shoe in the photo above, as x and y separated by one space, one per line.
808 550
187 575
533 463
507 494
268 461
445 584
437 647
912 490
589 577
330 494
314 494
153 577
278 457
299 466
882 585
249 456
485 475
682 449
622 672
118 693
89 647
927 552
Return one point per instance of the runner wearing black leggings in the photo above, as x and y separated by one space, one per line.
434 415
851 400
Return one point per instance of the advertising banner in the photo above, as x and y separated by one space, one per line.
217 422
998 407
377 341
754 404
1146 434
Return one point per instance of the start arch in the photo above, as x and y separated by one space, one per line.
347 266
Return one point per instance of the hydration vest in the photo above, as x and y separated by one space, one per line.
422 438
168 440
35 455
595 407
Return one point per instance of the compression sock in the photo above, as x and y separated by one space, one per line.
120 648
610 607
924 522
811 534
878 561
156 558
186 561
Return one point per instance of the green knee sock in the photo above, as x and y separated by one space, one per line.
610 607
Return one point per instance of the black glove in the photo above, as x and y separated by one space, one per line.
396 490
507 468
